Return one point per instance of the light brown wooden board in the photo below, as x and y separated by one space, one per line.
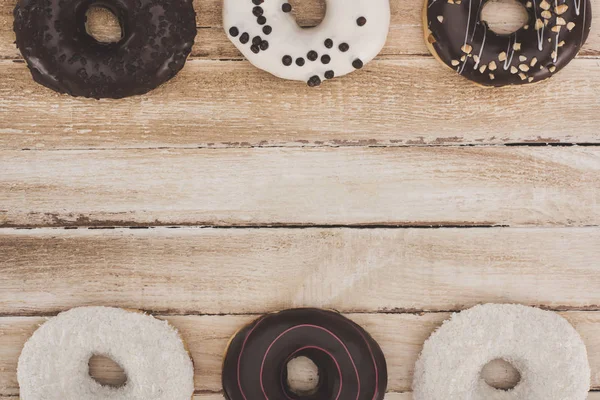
514 186
405 36
400 336
404 102
209 271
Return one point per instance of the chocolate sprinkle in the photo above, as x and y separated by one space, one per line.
325 59
361 21
328 43
267 30
257 11
358 64
245 38
286 7
344 47
287 60
261 20
314 81
233 31
312 55
329 74
300 61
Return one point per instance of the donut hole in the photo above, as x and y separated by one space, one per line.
302 376
308 13
103 25
504 17
501 375
106 371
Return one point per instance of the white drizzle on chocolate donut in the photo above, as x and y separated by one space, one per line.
351 34
554 34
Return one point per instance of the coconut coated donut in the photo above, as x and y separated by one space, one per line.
351 34
157 38
54 362
545 349
556 31
351 365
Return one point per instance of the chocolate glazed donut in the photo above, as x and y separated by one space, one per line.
556 31
351 365
157 37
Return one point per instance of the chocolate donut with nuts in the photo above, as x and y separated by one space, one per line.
555 32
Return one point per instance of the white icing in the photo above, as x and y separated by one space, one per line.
54 362
287 38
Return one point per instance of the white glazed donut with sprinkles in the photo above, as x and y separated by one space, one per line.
352 33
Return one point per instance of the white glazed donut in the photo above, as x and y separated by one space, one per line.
545 349
54 362
351 34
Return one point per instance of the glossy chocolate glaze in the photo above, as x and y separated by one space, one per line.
553 36
157 38
351 364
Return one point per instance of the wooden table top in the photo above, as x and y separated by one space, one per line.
396 195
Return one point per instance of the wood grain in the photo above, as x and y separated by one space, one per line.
190 270
405 36
407 102
443 186
400 335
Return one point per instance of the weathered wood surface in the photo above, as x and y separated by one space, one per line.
400 335
405 36
362 186
257 270
403 102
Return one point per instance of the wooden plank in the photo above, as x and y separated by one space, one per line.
181 271
360 186
400 335
411 101
405 36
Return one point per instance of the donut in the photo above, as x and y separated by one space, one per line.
350 363
53 364
351 34
157 37
545 349
554 34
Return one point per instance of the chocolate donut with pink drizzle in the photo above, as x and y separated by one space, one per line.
350 363
554 34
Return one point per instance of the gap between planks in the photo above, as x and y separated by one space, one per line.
401 337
